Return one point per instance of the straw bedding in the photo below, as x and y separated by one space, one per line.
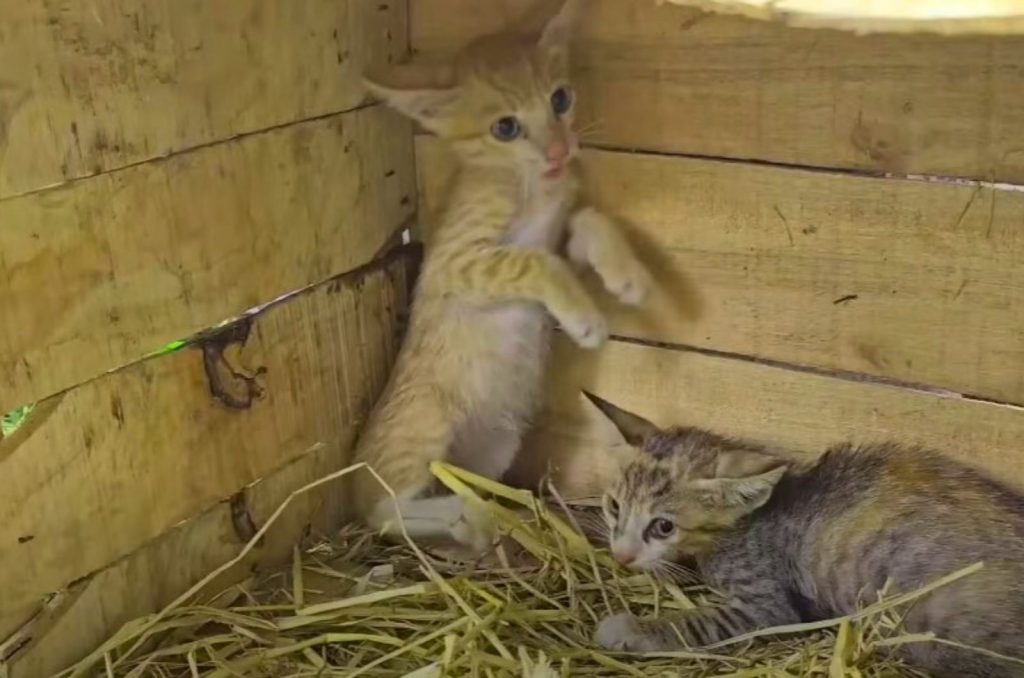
353 605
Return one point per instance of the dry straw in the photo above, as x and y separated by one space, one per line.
354 605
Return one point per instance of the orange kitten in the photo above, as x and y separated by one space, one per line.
469 376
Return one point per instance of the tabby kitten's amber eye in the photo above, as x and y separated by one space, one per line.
561 100
506 129
661 528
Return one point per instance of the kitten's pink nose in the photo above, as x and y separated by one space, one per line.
625 558
557 151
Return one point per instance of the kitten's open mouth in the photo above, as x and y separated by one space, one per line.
554 172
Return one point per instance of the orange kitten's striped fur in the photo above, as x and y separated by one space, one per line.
469 375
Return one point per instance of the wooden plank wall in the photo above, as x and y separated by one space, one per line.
676 80
166 169
106 270
89 88
153 455
828 291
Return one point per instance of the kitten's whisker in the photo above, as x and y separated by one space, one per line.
593 527
661 574
675 571
589 134
592 122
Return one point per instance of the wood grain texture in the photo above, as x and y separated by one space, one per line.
675 79
802 412
102 272
120 460
909 280
150 578
89 87
948 17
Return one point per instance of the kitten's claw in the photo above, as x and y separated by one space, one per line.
623 633
588 330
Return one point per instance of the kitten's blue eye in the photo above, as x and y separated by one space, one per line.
660 528
506 129
561 100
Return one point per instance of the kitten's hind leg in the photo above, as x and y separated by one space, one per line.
441 519
486 450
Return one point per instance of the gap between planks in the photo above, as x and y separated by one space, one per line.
393 250
815 169
189 149
819 169
843 375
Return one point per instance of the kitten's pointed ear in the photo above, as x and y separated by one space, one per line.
559 31
635 429
432 107
740 495
745 463
745 479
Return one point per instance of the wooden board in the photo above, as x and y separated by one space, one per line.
89 87
910 280
676 80
803 412
948 17
116 462
101 272
150 578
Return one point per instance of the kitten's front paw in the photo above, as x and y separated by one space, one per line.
536 669
630 282
623 633
475 529
589 330
596 240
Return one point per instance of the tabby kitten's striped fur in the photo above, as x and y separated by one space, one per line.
468 377
791 544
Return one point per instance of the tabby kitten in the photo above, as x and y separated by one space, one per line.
791 544
468 377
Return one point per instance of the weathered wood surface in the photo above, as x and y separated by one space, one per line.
87 87
103 271
910 280
678 80
803 412
116 462
150 578
948 17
